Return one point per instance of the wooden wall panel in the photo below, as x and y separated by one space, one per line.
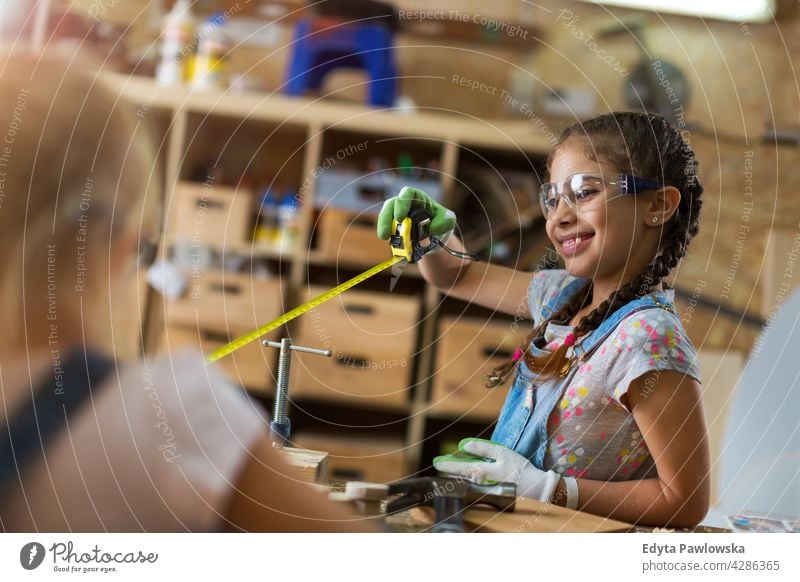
729 254
743 78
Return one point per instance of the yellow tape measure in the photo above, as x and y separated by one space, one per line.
405 245
300 310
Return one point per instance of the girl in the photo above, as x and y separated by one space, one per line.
604 413
86 445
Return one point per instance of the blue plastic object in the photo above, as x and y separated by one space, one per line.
322 45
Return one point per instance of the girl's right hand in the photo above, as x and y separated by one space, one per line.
443 220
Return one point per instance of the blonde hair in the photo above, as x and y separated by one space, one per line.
76 173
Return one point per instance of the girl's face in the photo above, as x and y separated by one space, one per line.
617 238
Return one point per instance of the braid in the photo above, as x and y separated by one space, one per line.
567 312
646 145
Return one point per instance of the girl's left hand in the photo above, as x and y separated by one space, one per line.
493 462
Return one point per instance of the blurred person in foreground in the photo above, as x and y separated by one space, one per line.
87 443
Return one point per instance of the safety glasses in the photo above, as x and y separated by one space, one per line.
584 192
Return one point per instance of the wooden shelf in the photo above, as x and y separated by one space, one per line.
459 416
253 250
299 400
435 124
428 411
443 134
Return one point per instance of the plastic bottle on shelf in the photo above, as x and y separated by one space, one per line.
405 164
177 33
267 222
287 220
208 65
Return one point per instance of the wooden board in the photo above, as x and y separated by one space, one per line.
372 336
350 236
537 517
253 366
378 460
210 215
504 134
312 464
225 302
468 348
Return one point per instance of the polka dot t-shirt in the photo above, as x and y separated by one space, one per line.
591 433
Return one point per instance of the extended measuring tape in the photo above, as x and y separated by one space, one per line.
300 310
406 244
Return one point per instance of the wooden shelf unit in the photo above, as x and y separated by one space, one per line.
450 135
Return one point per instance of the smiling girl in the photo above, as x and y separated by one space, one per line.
604 413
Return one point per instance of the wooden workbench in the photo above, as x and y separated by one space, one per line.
532 516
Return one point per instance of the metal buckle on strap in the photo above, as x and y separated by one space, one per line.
666 306
571 361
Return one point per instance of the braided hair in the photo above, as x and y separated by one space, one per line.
648 146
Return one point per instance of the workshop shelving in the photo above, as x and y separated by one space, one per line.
241 141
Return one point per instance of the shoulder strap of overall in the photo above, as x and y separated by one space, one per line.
588 343
46 412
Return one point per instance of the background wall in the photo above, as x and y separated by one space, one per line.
742 80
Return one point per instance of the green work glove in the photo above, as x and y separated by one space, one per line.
460 456
443 220
489 462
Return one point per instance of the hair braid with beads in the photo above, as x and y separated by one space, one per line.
648 146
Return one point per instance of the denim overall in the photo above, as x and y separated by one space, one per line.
522 424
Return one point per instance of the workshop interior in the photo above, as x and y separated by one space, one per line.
282 130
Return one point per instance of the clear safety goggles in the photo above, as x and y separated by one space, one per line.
583 192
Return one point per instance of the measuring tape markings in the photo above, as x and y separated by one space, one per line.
301 309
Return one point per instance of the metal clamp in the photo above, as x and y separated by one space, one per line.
280 426
450 497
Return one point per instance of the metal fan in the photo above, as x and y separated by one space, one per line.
655 85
